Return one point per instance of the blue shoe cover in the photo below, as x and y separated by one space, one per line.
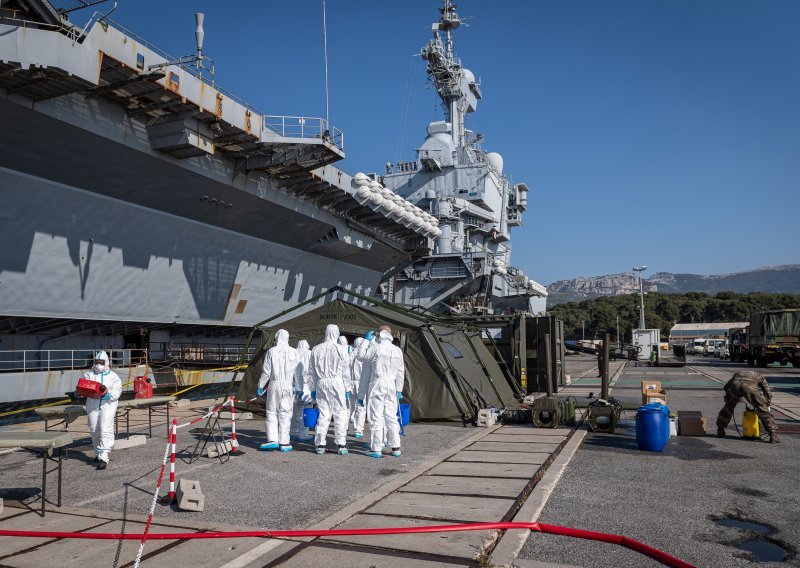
269 446
287 448
396 453
343 451
372 454
358 435
320 450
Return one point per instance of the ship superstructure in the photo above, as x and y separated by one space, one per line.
147 209
456 183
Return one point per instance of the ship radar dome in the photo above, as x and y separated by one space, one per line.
468 75
495 160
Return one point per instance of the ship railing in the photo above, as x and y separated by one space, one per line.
189 68
211 353
15 18
402 168
448 272
30 360
304 127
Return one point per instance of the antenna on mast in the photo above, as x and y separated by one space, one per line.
199 34
325 48
198 58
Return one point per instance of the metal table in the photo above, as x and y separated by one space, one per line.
153 406
45 443
63 413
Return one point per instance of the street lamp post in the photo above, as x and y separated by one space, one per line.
641 269
583 329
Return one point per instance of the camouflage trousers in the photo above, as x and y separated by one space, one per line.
754 397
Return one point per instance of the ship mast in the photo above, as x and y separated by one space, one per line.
455 85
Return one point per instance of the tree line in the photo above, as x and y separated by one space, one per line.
607 314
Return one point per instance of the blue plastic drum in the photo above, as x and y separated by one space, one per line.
310 417
405 414
665 410
652 427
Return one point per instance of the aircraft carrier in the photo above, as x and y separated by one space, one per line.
150 212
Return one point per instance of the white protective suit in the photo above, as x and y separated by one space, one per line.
358 413
277 376
102 411
381 381
329 371
301 390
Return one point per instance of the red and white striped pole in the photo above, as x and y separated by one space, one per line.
173 439
234 443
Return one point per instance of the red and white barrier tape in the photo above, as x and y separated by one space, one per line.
152 506
234 443
173 441
204 416
619 540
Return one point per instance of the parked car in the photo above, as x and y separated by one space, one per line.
696 347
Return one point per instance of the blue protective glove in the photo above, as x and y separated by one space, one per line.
369 336
314 395
347 396
106 396
399 396
360 402
260 392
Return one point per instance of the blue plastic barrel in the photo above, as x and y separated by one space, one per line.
652 428
405 414
662 408
310 417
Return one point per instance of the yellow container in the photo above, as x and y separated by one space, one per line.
750 424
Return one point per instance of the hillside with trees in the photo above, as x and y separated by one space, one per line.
661 310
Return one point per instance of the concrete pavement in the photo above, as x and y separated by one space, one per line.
671 500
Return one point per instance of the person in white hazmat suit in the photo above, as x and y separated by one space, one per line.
277 377
329 371
101 412
383 385
302 393
358 412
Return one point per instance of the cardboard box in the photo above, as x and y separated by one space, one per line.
691 423
651 389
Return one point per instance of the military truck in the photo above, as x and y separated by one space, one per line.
774 336
737 346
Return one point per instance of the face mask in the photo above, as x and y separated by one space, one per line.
98 368
385 335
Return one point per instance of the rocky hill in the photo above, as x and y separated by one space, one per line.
778 279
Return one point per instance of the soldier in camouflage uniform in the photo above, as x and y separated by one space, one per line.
754 389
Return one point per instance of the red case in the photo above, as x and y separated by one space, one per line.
89 389
142 388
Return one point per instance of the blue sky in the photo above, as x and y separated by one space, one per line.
664 133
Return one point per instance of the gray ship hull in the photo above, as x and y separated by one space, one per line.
70 253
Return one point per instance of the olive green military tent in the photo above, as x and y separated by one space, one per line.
449 372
